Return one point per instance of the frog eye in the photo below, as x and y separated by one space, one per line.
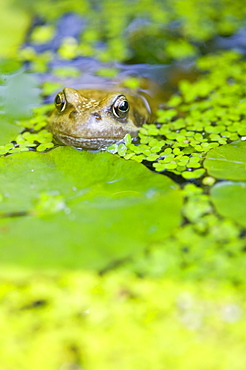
60 102
121 107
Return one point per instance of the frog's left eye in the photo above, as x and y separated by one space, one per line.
121 107
60 102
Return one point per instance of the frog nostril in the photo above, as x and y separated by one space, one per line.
72 114
97 116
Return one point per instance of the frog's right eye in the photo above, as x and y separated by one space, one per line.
60 102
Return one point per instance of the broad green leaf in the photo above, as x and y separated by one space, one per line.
229 199
8 130
227 162
81 209
19 94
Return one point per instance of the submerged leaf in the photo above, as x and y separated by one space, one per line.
111 208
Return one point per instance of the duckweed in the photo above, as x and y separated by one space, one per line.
179 145
150 38
206 244
42 34
34 136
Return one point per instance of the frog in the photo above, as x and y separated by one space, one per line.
94 119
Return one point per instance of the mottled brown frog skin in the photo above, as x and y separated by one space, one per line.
95 119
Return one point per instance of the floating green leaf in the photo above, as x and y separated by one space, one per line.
81 209
19 94
227 162
8 131
229 199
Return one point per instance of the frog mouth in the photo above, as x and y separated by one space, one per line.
86 143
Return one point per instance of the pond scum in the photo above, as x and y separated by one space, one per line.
177 302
